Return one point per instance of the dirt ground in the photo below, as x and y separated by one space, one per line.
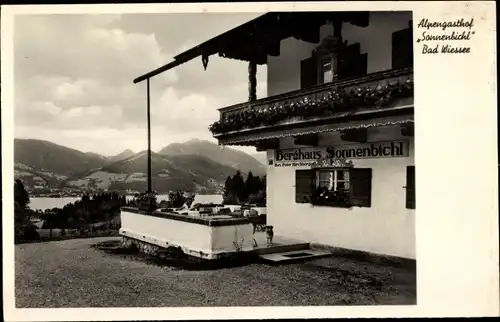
71 273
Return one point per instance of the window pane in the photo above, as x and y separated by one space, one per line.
324 184
327 71
324 176
328 76
342 185
342 175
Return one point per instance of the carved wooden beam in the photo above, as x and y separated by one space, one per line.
337 28
360 19
360 135
267 145
273 48
311 140
408 130
252 81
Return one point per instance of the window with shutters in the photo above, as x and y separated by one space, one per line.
309 72
410 187
335 187
323 68
304 185
402 48
328 69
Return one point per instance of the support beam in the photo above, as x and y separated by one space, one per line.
337 28
252 81
309 140
273 47
408 130
149 137
359 136
267 145
360 19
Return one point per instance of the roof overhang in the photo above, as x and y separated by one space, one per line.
260 37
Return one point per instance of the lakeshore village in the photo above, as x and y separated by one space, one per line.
338 129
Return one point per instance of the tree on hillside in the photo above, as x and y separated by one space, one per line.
257 191
22 228
189 199
229 197
250 186
238 184
21 195
253 185
21 201
237 190
82 213
92 184
176 199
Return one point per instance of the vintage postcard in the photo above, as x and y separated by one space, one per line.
249 160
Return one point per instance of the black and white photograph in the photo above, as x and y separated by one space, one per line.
220 159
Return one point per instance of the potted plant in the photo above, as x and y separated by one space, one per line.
322 196
147 201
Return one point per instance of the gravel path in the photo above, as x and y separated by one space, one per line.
72 274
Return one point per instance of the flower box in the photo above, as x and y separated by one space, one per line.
146 206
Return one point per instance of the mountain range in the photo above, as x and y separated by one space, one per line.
196 165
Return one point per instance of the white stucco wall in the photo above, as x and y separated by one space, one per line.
225 237
386 227
283 72
193 238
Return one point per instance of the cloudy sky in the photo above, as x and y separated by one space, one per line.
74 73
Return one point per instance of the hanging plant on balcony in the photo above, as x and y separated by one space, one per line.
327 103
147 201
321 196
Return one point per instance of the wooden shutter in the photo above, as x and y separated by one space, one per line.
410 187
309 72
362 65
304 185
402 48
360 192
347 66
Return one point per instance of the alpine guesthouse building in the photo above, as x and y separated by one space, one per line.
337 124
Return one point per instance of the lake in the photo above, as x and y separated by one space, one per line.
43 203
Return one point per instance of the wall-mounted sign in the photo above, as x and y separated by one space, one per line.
310 156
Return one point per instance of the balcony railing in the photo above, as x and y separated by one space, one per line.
374 91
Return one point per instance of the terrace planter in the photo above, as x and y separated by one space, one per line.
147 206
199 236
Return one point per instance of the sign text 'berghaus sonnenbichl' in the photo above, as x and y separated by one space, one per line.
308 155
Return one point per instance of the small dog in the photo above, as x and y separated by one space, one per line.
269 235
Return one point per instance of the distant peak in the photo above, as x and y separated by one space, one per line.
196 141
127 151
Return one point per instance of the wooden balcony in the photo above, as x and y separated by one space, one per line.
379 94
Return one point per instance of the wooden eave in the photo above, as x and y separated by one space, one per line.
260 37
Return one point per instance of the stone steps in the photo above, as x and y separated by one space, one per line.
282 248
294 255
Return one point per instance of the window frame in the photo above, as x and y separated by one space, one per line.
333 180
332 186
333 59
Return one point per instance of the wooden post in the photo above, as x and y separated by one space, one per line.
357 135
337 28
149 136
252 81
